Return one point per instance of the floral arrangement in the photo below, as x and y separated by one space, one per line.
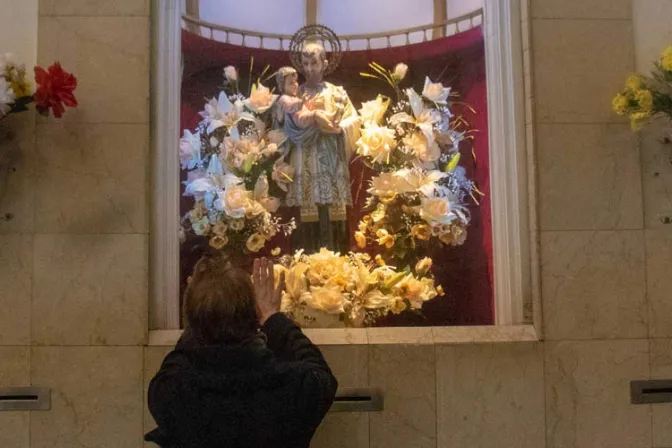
418 192
646 97
233 164
54 90
353 287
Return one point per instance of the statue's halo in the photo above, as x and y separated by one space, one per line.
319 34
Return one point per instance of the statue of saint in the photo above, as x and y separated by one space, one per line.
323 127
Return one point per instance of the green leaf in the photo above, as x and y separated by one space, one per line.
453 163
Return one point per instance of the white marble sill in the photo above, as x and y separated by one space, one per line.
395 335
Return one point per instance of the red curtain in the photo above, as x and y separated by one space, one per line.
459 62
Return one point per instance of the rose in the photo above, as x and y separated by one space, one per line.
326 298
372 112
436 211
261 98
398 305
400 71
327 267
236 201
434 91
423 266
201 227
55 89
253 209
255 242
377 142
230 73
219 228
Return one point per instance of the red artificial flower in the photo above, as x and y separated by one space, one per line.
55 87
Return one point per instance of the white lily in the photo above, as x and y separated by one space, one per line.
426 182
190 150
423 117
222 112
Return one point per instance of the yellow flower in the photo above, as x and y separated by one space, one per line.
436 211
634 82
295 281
644 98
620 104
379 213
666 59
329 299
361 239
423 266
424 152
377 142
388 185
375 299
261 98
400 71
363 225
328 267
379 260
398 305
218 242
275 252
421 231
638 119
372 112
384 238
440 291
255 242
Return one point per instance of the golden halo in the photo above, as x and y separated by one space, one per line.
322 35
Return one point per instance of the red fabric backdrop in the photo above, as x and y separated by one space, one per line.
457 61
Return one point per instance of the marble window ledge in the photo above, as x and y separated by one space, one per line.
395 335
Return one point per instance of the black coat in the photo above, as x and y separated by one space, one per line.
256 395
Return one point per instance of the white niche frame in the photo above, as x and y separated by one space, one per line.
511 168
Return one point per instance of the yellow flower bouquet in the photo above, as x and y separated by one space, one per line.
354 288
647 97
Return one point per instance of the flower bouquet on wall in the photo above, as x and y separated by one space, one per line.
329 289
647 97
418 193
234 166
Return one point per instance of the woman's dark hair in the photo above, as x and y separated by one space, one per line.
218 303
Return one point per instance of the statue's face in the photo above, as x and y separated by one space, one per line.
291 86
313 68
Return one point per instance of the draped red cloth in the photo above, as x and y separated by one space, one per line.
457 61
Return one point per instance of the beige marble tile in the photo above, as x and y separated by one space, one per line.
490 393
93 179
581 9
484 334
578 67
153 358
653 33
94 8
407 375
661 369
593 285
109 56
657 175
96 397
337 336
90 290
14 372
400 335
588 394
16 253
659 281
589 177
17 193
350 364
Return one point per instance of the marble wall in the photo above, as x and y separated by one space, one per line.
74 258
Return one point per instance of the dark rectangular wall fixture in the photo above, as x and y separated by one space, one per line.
358 400
651 391
25 399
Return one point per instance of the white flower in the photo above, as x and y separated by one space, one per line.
6 60
426 182
271 204
327 298
222 112
434 91
400 71
230 73
436 211
6 97
235 201
377 142
423 118
190 150
418 143
372 112
261 99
